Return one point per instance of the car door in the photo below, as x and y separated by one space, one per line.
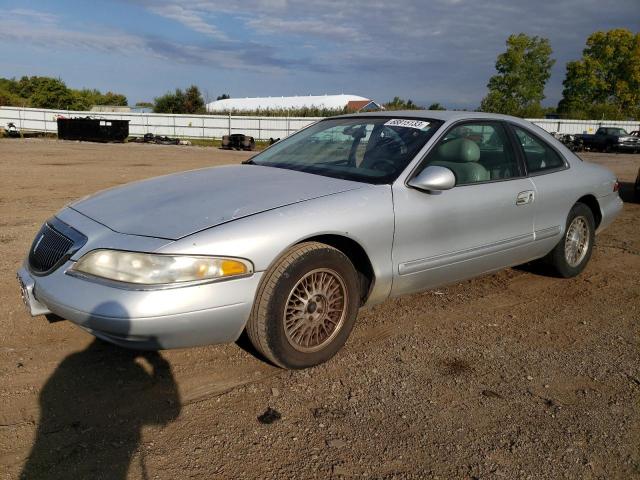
553 181
484 223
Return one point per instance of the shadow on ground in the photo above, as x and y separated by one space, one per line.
93 408
628 194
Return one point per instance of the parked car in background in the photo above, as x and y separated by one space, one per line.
343 214
608 139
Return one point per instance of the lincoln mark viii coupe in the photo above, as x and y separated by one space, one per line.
288 246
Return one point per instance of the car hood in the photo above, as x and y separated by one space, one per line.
177 205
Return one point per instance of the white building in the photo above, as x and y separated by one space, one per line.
331 102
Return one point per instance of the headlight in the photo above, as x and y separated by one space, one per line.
154 269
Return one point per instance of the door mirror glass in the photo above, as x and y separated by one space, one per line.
434 178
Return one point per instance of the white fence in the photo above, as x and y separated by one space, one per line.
184 126
215 126
581 126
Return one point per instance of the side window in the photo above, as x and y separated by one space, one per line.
538 155
476 152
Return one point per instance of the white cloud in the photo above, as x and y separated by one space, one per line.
36 15
313 27
189 18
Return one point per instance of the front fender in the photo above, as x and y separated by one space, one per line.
364 215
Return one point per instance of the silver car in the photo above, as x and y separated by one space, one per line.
344 214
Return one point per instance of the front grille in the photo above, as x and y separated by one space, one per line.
48 248
55 242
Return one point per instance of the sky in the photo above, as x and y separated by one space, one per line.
430 51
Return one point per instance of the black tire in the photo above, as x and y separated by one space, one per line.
557 258
266 325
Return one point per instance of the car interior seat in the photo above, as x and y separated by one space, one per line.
461 157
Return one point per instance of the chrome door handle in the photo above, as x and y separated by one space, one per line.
525 197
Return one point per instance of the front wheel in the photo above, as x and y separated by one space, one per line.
305 307
571 255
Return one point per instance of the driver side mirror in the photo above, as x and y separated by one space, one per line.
434 178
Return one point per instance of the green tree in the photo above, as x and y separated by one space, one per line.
436 106
193 102
605 82
9 93
170 102
224 96
189 101
9 98
46 92
523 71
114 99
400 104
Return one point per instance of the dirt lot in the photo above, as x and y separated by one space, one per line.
514 375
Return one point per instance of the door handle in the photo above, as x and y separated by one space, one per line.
525 197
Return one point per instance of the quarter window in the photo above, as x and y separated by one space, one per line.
476 152
538 155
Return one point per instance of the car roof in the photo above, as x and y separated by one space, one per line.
444 115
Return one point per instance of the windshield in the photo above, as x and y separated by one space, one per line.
365 149
619 132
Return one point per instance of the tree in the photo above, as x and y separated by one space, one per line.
114 99
523 71
401 104
47 92
605 82
193 102
170 102
436 106
189 101
224 96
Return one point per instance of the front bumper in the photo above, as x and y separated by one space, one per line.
144 319
628 146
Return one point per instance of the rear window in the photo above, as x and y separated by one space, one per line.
539 156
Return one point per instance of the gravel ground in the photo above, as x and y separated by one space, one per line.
513 375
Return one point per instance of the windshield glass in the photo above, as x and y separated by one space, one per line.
365 149
617 131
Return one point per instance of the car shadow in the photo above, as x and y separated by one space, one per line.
92 411
627 193
538 267
244 343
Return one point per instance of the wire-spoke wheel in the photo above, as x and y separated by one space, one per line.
576 241
306 306
315 310
573 251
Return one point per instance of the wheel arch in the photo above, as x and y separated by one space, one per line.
356 253
592 202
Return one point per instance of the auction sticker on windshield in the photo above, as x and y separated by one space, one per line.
402 122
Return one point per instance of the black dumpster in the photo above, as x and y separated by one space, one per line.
93 129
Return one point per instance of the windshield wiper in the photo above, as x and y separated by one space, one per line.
248 162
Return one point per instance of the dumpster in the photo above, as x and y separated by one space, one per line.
93 129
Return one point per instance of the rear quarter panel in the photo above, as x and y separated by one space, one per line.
557 192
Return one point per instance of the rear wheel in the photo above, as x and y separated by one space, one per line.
305 307
571 255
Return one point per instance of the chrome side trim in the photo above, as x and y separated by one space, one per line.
547 233
423 264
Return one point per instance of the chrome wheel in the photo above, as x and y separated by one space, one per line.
315 310
576 241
